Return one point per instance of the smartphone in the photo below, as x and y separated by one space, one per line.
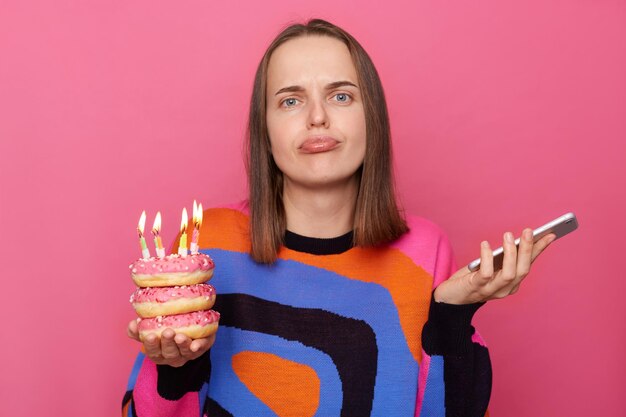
560 227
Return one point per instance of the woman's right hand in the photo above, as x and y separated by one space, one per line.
171 349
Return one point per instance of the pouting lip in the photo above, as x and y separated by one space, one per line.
320 143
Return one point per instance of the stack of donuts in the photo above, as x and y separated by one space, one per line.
173 294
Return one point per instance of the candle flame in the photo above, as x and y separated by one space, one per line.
156 226
197 215
184 221
142 223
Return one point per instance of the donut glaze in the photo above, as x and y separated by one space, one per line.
172 270
196 325
162 301
165 294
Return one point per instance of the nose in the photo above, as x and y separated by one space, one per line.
317 117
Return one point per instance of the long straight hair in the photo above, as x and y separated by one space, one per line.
377 219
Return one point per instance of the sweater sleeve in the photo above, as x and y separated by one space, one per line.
457 360
455 376
165 391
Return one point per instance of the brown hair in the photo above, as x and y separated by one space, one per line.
377 219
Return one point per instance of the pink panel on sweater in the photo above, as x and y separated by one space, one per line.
148 403
421 383
429 248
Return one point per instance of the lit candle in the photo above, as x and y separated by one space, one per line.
199 220
145 253
182 247
156 231
197 223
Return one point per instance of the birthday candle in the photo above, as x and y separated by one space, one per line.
182 247
197 222
156 231
145 253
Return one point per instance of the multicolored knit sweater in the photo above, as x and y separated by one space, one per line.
327 330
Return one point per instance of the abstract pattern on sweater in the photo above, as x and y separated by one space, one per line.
311 335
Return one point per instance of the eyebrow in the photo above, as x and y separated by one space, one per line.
331 86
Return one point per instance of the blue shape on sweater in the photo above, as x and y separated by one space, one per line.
435 395
295 284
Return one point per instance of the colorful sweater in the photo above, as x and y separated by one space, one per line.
328 330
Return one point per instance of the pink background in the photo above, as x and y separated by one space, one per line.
504 115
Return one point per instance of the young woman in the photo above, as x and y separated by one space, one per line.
332 302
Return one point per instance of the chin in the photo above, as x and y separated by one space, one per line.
323 180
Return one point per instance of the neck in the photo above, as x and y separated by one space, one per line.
320 213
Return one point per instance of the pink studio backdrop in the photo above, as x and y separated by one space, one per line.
504 115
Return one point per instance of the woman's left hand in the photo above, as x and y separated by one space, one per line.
466 287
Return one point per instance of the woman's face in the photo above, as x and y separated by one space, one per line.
315 116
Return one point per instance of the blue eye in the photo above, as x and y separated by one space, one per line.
342 98
290 102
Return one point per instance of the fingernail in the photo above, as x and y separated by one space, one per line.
484 244
508 236
528 234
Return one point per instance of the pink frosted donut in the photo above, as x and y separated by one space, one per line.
196 325
172 270
163 301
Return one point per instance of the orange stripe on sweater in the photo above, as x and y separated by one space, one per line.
225 229
125 409
272 380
